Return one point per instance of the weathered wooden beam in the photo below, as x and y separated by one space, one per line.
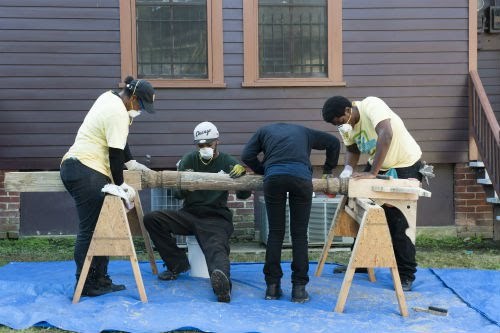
50 181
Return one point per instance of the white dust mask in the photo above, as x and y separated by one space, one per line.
134 113
206 153
345 131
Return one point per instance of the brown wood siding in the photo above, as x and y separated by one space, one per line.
57 56
488 63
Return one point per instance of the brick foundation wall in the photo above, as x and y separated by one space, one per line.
243 218
473 215
9 211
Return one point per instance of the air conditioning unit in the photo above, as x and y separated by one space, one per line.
322 211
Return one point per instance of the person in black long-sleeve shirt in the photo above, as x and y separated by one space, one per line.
287 170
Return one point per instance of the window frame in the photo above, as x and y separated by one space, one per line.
251 76
215 50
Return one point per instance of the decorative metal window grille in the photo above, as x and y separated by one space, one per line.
172 39
293 38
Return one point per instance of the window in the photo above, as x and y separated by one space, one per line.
173 43
292 42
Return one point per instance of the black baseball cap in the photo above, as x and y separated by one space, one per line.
145 92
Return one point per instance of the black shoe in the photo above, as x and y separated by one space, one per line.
406 284
92 288
273 291
106 282
299 293
221 286
173 274
343 268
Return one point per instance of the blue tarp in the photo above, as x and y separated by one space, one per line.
40 293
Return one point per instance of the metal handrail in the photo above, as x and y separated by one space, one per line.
485 129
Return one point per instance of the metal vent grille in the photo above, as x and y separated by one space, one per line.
322 211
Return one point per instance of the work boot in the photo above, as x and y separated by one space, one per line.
273 291
221 286
172 274
343 268
406 284
106 282
92 288
299 293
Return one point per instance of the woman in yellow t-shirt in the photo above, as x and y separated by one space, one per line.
95 159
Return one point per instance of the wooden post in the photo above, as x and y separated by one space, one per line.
111 237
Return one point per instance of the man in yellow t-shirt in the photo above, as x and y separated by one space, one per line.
371 127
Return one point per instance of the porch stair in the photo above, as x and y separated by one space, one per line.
492 197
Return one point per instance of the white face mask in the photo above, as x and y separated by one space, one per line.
206 153
134 113
345 131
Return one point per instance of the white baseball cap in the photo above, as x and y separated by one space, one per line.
205 132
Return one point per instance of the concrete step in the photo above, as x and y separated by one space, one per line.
493 200
476 164
484 181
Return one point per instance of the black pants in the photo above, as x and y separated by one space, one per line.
84 185
404 249
212 234
300 198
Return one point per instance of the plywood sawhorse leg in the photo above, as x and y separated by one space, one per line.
112 237
372 248
136 223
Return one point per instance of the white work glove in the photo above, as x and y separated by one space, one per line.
133 165
347 172
120 192
129 190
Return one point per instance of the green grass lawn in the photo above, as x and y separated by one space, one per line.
431 252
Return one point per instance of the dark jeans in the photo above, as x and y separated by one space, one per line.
300 198
212 234
85 184
404 249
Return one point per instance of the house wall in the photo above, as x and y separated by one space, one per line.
58 56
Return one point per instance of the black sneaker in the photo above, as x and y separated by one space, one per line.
406 284
273 291
106 282
169 275
299 293
343 268
221 286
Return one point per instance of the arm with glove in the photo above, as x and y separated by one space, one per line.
236 172
131 163
116 159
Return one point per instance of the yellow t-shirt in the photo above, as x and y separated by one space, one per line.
105 125
404 151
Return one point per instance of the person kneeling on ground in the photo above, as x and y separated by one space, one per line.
204 214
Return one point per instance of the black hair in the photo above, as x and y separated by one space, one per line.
129 88
334 107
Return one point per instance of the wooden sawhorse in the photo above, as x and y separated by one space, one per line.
365 220
113 237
